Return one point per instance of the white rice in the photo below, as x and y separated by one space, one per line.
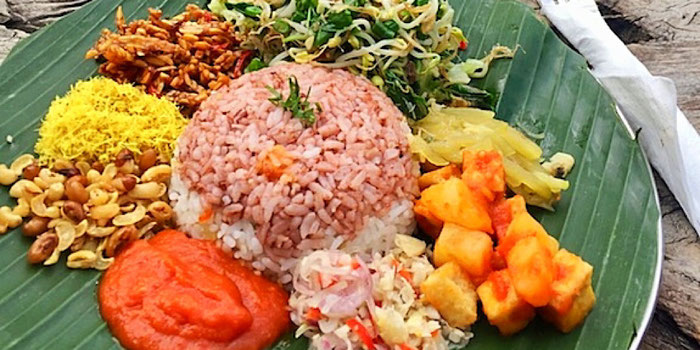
240 237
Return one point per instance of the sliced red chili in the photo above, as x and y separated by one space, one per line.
206 215
362 332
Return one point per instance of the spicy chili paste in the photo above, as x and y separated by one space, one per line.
174 292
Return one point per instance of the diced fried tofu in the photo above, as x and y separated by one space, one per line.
522 226
452 201
429 223
531 270
517 205
483 172
449 290
436 176
502 212
582 305
502 305
471 250
572 276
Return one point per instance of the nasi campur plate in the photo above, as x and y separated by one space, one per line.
356 174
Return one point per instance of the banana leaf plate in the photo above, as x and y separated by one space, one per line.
610 215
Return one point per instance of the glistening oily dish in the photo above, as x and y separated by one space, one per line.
321 158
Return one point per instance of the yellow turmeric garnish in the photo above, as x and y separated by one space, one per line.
99 117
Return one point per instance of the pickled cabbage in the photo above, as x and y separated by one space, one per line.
441 137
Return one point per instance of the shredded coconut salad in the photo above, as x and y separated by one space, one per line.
340 302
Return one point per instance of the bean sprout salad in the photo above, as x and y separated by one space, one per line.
408 48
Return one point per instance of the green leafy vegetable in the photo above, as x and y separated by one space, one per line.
355 3
409 48
246 9
385 30
300 107
305 11
411 104
476 97
255 64
335 21
281 26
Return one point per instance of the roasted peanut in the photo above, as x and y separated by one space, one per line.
75 190
122 157
65 168
98 166
160 211
148 159
124 234
42 248
74 211
124 183
35 226
31 171
78 244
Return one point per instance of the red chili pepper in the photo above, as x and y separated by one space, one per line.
355 264
206 215
238 69
463 45
362 332
406 347
435 333
314 314
207 16
394 263
406 275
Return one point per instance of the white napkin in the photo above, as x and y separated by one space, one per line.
648 102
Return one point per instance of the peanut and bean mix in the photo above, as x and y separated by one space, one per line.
87 210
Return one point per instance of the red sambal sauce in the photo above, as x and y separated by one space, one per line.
174 292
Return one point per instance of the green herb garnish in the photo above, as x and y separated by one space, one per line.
336 21
385 30
355 3
281 26
300 107
255 64
246 9
305 11
404 97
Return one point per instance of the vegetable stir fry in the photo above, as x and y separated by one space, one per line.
408 48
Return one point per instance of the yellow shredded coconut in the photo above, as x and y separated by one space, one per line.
100 117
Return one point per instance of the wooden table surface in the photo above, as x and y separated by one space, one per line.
664 34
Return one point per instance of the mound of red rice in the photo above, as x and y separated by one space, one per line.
349 169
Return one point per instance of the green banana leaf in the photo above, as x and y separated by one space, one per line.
610 215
